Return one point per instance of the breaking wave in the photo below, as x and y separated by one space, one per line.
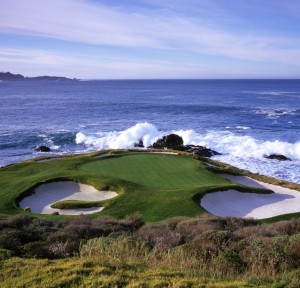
225 142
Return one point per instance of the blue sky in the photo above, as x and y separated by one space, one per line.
114 39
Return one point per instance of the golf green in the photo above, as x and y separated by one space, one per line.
161 171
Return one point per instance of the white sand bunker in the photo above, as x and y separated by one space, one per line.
254 205
47 194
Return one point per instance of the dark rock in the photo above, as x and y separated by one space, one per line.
174 141
42 149
200 151
278 157
140 144
171 141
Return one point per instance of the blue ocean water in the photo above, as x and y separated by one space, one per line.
242 119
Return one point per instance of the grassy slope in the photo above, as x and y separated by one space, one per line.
154 185
86 273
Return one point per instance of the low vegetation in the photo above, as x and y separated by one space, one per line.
178 252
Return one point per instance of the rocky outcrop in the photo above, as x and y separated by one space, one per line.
139 144
42 149
175 142
278 157
200 151
171 141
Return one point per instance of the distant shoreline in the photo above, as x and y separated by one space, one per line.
7 76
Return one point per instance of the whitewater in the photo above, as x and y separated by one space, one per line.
245 120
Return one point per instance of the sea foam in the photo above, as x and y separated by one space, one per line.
225 142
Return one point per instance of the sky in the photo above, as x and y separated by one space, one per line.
151 39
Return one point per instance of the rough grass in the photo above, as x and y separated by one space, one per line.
95 273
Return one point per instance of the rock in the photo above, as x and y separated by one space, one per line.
42 149
140 144
278 157
200 151
171 141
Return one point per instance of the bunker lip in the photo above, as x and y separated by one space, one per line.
252 205
46 194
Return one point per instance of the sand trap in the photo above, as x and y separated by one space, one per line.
246 205
47 194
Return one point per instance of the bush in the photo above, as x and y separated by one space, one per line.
5 254
120 250
159 236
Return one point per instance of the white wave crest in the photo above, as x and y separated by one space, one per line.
146 132
275 113
225 142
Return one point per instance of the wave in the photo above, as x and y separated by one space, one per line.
225 142
146 132
275 113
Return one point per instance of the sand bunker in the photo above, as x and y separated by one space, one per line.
254 205
47 194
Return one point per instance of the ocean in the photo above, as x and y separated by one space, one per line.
242 119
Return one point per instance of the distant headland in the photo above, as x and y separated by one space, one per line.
7 76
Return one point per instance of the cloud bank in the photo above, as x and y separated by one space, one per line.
158 28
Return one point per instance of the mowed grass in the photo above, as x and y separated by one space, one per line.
161 171
157 186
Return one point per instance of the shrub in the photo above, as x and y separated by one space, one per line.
191 228
230 262
5 254
160 236
120 249
287 227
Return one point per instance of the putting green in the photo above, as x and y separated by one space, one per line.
151 170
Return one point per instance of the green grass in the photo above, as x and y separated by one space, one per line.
157 186
155 171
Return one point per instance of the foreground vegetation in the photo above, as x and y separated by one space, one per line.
206 251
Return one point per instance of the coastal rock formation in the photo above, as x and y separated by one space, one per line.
42 149
139 144
278 157
173 141
200 151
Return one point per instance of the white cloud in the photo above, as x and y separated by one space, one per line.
29 61
93 23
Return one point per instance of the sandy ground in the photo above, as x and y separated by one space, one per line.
252 205
47 194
